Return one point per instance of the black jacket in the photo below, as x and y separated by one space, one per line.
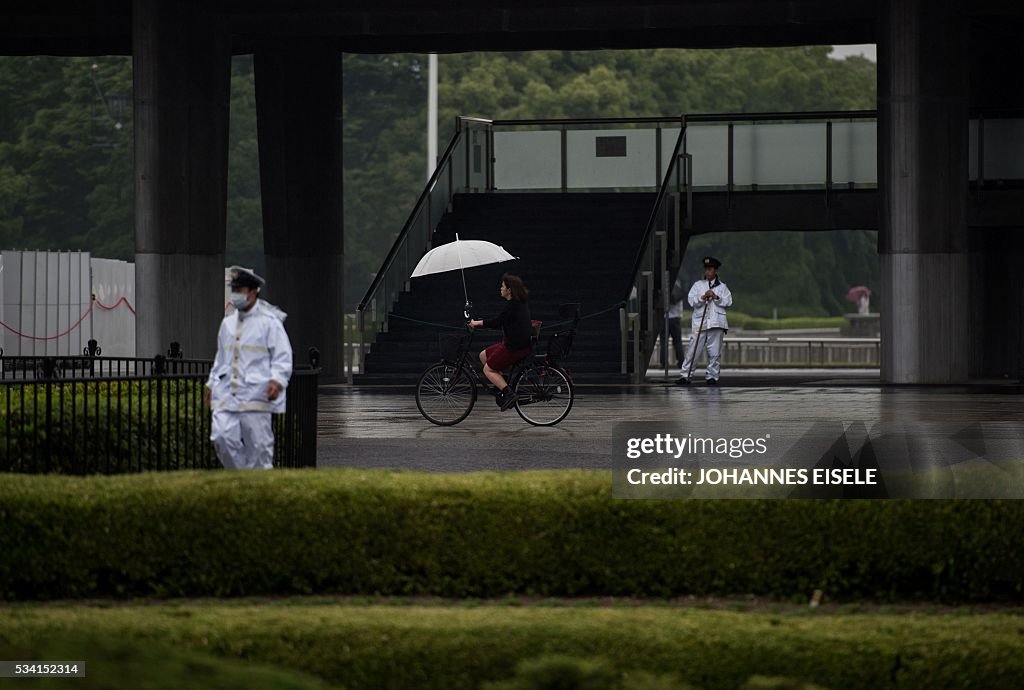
514 320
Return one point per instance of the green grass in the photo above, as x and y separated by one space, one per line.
454 648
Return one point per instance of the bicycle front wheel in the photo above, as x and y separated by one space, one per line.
445 394
545 395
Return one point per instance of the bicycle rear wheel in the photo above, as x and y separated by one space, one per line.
545 395
445 394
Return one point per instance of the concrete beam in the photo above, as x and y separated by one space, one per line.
785 210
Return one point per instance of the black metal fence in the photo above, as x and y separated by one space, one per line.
86 415
64 368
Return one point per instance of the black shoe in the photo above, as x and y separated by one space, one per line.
712 382
508 398
682 381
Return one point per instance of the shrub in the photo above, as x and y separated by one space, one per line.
86 427
485 535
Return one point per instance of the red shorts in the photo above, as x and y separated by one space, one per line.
500 359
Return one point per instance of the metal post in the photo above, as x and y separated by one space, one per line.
828 159
623 339
359 328
657 155
649 275
565 163
639 368
688 218
490 158
729 153
158 362
664 332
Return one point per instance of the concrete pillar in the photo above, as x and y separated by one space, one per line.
182 61
298 106
922 154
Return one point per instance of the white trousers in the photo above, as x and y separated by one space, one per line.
710 339
243 440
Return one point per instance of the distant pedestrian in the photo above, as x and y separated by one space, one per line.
249 376
709 298
675 326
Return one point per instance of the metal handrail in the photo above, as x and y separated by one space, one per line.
586 121
652 219
766 117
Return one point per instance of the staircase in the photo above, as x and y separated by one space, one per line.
572 247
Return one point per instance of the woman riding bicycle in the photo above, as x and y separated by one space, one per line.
514 321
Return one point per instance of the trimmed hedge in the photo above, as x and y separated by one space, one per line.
759 323
484 535
447 648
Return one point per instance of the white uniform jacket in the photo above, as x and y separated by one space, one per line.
251 352
716 308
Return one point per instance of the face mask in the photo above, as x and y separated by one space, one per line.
239 300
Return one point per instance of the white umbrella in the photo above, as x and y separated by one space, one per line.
459 255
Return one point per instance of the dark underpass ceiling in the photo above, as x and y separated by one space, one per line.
104 26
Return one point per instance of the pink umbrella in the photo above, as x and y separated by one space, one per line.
857 292
861 296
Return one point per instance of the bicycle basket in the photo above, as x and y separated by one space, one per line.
450 345
559 346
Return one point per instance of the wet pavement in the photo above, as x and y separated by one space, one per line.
381 427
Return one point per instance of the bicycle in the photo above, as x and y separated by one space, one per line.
447 391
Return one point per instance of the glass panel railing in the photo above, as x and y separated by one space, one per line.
527 160
854 153
582 154
708 145
782 150
779 154
611 158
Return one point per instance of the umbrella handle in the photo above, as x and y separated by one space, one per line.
467 310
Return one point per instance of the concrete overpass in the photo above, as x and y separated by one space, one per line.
953 299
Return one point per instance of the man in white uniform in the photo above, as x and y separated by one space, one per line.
713 296
249 376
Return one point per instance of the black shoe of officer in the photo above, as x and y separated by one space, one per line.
682 381
712 382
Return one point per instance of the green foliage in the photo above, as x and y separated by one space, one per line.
66 154
483 535
115 663
458 647
102 427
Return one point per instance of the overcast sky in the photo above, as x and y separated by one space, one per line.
867 50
